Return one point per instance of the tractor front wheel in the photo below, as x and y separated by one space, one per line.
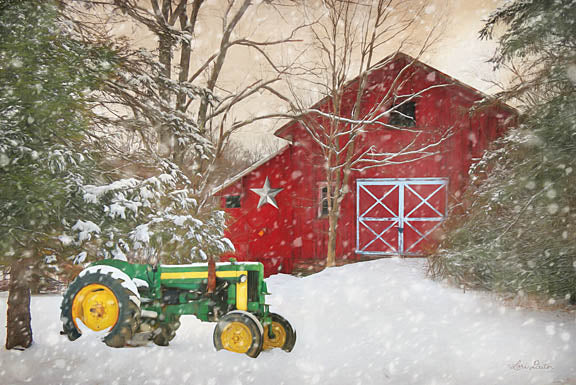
279 334
239 332
100 302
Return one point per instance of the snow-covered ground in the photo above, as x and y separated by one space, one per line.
379 322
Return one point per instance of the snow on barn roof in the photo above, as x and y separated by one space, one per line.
413 61
228 182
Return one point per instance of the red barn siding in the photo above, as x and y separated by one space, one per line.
294 231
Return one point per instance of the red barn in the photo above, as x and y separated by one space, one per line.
277 207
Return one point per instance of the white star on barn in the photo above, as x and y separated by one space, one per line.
267 194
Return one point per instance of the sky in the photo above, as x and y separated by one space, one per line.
458 52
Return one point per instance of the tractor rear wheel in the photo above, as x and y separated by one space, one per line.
239 332
283 335
99 302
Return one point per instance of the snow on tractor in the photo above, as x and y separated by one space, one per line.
135 303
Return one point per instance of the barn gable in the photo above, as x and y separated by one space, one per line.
277 207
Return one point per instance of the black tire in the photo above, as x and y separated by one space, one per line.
286 333
128 311
250 344
166 332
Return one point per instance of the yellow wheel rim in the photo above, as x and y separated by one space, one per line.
279 336
96 306
236 337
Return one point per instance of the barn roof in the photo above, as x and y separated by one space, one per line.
230 181
395 56
398 55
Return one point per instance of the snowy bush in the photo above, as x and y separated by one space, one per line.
151 219
516 232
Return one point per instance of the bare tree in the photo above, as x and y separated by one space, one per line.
172 99
347 37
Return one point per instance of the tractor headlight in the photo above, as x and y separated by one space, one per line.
243 278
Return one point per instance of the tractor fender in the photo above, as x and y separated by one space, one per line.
251 316
116 274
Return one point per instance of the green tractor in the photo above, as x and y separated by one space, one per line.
135 303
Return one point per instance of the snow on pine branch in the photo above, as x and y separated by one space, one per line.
151 216
18 149
85 229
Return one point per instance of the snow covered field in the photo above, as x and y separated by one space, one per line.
379 322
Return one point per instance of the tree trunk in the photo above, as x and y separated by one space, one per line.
187 25
332 232
165 45
181 98
18 327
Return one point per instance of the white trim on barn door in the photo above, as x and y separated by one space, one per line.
396 216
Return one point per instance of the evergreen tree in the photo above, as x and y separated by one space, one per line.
518 232
57 197
44 78
148 220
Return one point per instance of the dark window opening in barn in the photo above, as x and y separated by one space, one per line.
233 201
323 202
404 115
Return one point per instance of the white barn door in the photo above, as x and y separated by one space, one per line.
397 216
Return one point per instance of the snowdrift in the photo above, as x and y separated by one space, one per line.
379 322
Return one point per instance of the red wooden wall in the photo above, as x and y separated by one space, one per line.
294 231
